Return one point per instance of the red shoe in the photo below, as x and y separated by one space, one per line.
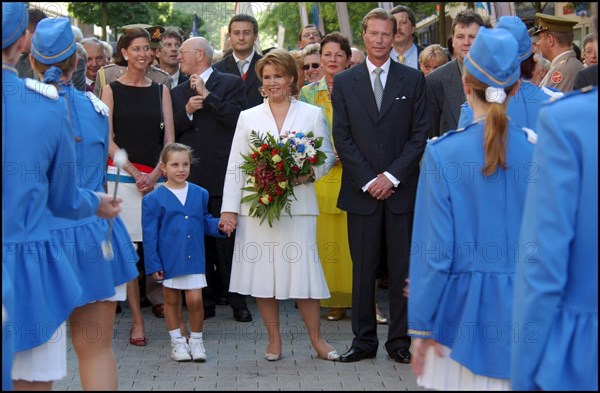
138 342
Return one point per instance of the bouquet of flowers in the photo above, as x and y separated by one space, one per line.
273 166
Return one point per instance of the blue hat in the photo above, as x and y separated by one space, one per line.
14 22
493 58
53 41
515 25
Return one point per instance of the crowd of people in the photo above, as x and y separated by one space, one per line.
459 180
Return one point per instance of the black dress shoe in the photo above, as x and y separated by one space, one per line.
209 313
401 355
242 314
354 354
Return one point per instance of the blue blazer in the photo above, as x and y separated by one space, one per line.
557 275
174 233
464 246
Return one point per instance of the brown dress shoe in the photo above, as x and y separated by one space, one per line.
336 313
380 316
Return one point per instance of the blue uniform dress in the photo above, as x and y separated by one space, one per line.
522 109
557 279
81 239
464 247
37 155
174 233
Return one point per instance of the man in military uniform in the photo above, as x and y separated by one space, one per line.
555 39
112 72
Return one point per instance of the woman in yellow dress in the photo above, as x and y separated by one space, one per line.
332 236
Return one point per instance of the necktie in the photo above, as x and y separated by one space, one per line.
378 89
401 59
240 65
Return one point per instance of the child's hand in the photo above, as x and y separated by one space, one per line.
228 222
158 276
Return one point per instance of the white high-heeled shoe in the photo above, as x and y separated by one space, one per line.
333 356
271 357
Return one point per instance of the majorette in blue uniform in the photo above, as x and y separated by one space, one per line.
52 43
556 283
38 150
466 227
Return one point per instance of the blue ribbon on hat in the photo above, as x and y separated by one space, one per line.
52 75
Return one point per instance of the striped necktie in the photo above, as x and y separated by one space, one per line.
401 59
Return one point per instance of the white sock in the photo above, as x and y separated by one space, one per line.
175 333
196 336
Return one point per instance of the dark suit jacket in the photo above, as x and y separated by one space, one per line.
251 84
370 143
445 95
211 130
182 78
586 77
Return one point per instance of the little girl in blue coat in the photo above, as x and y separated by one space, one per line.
175 219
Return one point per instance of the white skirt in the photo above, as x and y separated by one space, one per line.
131 207
444 373
120 294
281 262
186 282
44 363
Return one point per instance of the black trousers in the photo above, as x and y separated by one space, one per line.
367 235
219 257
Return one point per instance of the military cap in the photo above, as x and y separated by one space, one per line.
53 41
155 33
493 58
544 22
14 22
515 25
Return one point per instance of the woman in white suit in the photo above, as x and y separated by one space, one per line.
279 262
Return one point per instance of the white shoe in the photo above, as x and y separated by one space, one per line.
181 350
197 350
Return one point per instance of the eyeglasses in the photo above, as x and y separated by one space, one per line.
308 35
305 67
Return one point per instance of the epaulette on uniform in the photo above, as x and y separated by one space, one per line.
570 94
156 69
437 139
41 88
532 136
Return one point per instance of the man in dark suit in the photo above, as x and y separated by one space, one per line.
445 92
167 55
380 125
205 111
586 77
243 33
404 50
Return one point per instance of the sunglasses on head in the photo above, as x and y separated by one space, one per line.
305 67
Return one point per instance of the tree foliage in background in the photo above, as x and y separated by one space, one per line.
116 15
288 15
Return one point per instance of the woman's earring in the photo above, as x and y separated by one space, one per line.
262 92
126 58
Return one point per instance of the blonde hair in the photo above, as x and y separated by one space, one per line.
282 61
433 52
496 125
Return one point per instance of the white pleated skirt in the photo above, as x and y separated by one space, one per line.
444 373
44 363
281 262
186 282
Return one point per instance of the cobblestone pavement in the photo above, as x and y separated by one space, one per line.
236 361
